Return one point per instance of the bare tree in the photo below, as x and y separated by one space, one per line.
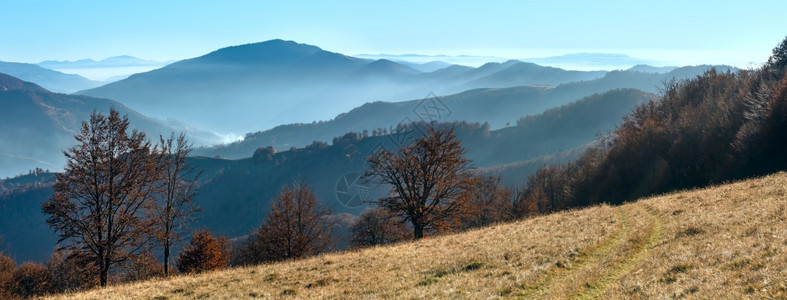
174 210
101 198
297 226
429 181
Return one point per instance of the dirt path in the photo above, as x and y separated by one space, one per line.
558 274
596 291
591 274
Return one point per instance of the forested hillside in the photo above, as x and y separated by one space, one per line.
717 127
499 107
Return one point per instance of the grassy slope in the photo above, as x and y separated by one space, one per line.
723 242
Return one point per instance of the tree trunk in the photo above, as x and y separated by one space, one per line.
166 259
104 274
418 230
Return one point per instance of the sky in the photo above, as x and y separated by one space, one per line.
739 33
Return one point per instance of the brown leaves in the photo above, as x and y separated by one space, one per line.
297 226
7 267
716 127
31 279
427 179
101 199
205 253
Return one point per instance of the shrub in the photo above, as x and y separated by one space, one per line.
7 267
31 279
71 271
204 253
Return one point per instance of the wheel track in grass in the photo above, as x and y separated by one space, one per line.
598 289
556 275
592 274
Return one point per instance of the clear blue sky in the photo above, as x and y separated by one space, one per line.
687 32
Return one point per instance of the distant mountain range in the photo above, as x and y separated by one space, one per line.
110 62
651 69
49 79
593 61
427 66
244 88
106 70
38 124
496 106
573 61
464 60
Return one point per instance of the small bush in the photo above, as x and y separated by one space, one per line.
31 280
7 267
205 253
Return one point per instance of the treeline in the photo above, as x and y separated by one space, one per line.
717 127
33 179
123 205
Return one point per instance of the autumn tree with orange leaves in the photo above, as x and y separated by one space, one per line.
204 253
429 181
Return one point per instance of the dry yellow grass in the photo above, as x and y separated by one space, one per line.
725 242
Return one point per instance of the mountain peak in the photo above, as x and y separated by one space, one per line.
384 66
272 50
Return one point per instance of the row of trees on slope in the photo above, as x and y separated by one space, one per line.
121 199
432 190
713 128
